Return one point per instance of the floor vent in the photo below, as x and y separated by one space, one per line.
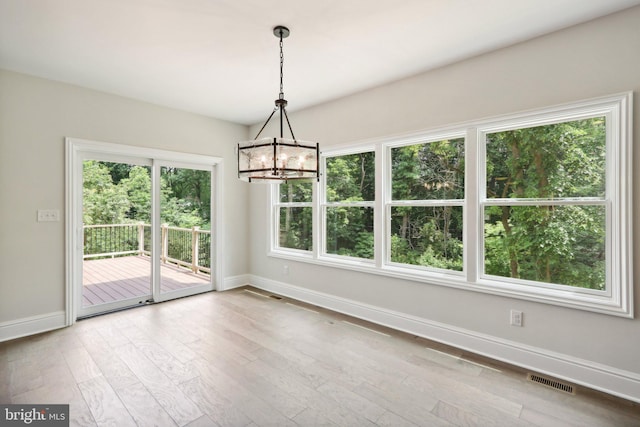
551 383
275 297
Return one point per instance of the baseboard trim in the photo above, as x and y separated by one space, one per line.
46 322
32 325
593 375
233 282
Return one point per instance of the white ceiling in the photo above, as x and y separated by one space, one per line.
220 58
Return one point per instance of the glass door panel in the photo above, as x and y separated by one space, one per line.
185 231
116 235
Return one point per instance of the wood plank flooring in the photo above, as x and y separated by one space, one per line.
243 358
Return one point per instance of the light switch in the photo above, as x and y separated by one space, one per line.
48 215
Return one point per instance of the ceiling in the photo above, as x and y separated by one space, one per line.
220 57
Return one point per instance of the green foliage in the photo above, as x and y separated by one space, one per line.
349 229
554 244
363 247
351 177
542 242
430 171
103 202
295 222
496 250
186 196
117 193
296 191
559 160
137 184
295 228
428 236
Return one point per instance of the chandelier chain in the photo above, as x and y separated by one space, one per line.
281 67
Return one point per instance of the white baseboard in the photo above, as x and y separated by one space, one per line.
31 325
235 282
596 376
37 324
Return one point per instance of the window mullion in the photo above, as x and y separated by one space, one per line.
383 178
473 233
320 198
316 229
274 216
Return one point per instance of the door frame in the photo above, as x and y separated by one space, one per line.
76 150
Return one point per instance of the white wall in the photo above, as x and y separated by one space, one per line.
598 58
35 117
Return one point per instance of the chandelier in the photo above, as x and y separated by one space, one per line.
278 159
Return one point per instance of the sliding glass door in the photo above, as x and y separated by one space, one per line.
116 221
184 256
142 229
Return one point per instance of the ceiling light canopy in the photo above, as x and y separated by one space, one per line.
278 159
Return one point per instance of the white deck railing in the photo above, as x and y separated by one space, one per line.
187 247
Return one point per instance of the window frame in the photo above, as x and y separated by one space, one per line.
390 203
323 204
274 224
617 299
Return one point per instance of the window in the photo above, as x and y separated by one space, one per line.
544 205
426 207
348 205
534 206
293 211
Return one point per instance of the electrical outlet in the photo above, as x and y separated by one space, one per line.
48 215
285 270
516 318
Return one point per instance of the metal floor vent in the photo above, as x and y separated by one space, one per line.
548 382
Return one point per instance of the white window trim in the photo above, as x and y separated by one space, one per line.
617 300
389 203
617 297
273 225
324 204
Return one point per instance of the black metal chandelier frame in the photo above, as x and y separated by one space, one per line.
270 159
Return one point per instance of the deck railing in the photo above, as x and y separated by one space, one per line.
187 247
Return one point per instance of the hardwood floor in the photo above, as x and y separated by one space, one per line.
243 358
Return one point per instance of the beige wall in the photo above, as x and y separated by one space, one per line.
598 58
35 117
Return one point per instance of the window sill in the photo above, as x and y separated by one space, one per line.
593 301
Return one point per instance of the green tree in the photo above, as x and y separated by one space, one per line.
421 235
179 212
350 178
137 184
103 202
544 242
121 193
295 222
192 188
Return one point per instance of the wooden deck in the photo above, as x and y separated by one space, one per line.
114 279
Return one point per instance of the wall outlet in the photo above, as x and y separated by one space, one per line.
285 270
516 318
48 215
